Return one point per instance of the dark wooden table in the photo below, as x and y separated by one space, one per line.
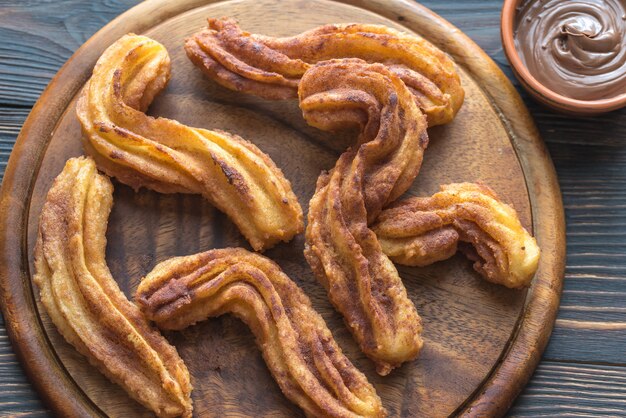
583 372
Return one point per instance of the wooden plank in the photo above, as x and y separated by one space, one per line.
17 398
592 305
561 389
11 120
587 344
38 37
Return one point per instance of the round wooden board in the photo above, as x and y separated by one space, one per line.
482 341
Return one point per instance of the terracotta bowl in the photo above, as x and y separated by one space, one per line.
538 90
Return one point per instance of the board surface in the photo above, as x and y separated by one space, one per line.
482 340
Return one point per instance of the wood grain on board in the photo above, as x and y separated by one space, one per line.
590 174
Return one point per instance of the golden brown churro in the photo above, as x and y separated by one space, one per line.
87 306
297 346
166 156
272 67
421 230
362 283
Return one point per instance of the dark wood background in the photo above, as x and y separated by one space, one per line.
583 372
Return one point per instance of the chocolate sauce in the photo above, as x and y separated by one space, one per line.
576 48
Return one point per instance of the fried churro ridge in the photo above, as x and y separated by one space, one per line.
421 230
272 67
361 281
169 157
86 304
298 348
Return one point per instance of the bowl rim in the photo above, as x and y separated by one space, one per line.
509 9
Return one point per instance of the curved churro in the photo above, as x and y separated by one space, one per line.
344 253
421 230
87 306
169 157
272 67
297 346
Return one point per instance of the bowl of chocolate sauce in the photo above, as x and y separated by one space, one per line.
568 54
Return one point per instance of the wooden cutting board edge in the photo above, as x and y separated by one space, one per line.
516 365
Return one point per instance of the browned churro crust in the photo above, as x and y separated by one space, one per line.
297 346
272 67
166 156
362 283
421 230
87 306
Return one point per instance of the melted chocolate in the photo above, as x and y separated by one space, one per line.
576 48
